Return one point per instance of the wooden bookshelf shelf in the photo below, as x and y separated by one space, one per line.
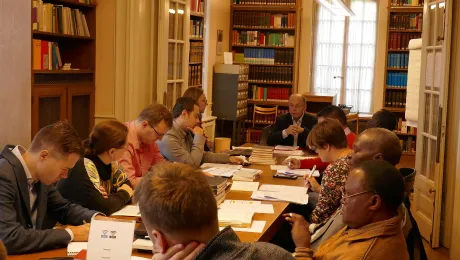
269 103
268 47
63 71
397 69
267 65
57 36
406 31
395 109
264 29
395 88
268 83
195 14
195 39
70 3
273 8
195 63
405 9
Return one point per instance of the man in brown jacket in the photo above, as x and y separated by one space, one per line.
373 193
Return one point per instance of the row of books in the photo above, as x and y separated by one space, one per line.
218 186
395 99
271 74
268 93
408 146
257 38
406 22
197 6
262 155
253 136
400 41
407 2
402 128
242 103
58 19
196 28
194 75
265 2
242 86
398 60
396 79
196 52
264 20
266 56
46 55
242 95
241 112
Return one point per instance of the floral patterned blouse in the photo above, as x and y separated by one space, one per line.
332 186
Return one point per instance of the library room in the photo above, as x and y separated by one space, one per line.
229 129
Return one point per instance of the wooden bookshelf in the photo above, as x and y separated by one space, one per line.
267 47
267 65
269 8
196 42
283 103
263 28
59 94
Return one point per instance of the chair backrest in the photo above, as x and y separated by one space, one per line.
409 178
263 111
265 134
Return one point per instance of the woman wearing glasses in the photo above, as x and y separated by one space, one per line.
329 141
97 181
200 99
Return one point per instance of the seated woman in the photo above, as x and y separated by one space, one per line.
97 182
329 141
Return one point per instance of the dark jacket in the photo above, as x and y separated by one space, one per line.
226 245
80 186
283 122
16 229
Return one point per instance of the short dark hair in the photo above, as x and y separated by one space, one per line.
384 180
386 142
183 103
327 132
154 114
194 92
60 137
175 197
383 119
105 136
334 112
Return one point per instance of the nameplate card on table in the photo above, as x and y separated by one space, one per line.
128 211
110 240
292 194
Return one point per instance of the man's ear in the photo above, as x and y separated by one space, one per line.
184 113
379 156
145 123
44 154
376 202
159 241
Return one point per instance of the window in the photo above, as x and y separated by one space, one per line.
345 54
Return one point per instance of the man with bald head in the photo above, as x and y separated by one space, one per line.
292 128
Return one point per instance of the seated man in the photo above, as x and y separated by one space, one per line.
142 153
383 119
333 112
178 207
179 145
28 195
373 193
292 129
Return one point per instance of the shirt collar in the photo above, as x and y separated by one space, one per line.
18 151
180 131
347 131
298 122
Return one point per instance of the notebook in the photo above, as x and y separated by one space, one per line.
73 248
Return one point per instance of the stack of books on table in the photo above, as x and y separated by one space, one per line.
287 150
247 174
219 187
262 155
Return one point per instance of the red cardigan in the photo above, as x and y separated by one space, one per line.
320 165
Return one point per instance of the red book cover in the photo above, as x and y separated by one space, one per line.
44 57
272 21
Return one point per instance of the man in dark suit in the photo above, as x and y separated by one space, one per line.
292 128
27 193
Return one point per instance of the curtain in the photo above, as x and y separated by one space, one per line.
350 56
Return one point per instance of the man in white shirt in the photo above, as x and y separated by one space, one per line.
27 193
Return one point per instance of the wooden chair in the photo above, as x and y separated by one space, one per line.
263 111
354 117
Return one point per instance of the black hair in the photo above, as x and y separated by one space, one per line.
334 112
383 119
183 103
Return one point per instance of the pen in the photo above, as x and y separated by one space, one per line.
289 173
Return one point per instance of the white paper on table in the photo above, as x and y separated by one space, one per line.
257 226
221 165
73 248
429 69
299 172
110 240
289 153
241 148
282 188
278 167
300 157
244 186
143 244
234 216
256 208
294 197
286 148
139 258
241 202
129 211
221 172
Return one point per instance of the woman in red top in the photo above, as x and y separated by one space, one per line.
333 112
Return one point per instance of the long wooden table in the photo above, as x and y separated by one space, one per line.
273 221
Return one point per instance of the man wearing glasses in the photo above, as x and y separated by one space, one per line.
179 145
142 151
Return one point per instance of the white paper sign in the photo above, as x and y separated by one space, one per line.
228 58
110 240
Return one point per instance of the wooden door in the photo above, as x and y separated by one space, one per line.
48 106
434 83
80 108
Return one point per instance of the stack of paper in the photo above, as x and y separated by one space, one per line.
220 172
247 205
247 174
298 172
73 248
129 211
244 186
218 185
235 218
286 148
143 244
289 153
292 194
262 155
221 165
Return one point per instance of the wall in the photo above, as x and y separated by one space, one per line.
305 46
379 69
15 72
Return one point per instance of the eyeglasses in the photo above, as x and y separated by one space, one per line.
159 135
346 197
